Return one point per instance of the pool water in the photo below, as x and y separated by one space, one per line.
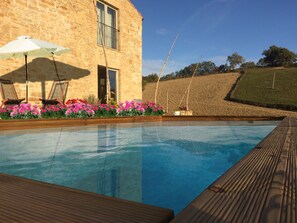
162 164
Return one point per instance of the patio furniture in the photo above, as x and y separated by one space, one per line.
8 93
25 46
57 94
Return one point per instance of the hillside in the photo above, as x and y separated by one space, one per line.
207 96
256 87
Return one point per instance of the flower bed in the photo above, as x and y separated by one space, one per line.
77 108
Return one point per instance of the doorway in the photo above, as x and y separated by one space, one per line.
102 84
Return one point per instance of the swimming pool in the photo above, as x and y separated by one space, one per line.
165 164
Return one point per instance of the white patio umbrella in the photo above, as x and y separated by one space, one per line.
25 46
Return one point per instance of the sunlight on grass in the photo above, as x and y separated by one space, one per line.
256 86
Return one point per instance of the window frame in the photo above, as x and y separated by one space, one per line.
100 24
116 82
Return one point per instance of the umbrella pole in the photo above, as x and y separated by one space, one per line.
27 92
56 69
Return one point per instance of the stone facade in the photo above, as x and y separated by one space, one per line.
72 24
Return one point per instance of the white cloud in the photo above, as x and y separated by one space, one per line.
154 66
161 31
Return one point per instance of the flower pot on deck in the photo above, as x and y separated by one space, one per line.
184 112
176 113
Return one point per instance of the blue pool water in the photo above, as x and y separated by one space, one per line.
163 164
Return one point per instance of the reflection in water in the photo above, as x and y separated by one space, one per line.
160 165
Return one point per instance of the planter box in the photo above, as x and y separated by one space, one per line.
15 124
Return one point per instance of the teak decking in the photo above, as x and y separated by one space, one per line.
29 201
259 188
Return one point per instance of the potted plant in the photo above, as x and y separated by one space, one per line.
182 110
179 110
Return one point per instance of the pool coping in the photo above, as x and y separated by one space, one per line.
20 124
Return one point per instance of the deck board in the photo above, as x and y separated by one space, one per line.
24 200
261 187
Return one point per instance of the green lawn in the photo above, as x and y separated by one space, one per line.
255 87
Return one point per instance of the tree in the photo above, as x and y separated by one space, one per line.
247 65
261 63
186 72
277 56
149 79
223 68
234 60
206 67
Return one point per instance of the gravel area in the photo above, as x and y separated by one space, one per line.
206 97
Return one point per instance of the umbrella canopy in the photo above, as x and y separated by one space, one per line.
25 46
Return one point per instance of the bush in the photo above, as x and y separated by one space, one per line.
91 99
78 108
5 112
105 110
130 108
152 109
25 111
54 111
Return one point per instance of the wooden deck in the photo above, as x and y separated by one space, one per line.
259 188
28 201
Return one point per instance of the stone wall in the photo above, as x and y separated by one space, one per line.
72 24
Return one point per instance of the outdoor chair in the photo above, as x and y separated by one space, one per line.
57 93
9 94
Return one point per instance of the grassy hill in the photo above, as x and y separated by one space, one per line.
207 96
255 87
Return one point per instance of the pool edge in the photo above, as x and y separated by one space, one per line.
21 124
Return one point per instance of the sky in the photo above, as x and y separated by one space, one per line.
213 30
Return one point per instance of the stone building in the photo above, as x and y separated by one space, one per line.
75 24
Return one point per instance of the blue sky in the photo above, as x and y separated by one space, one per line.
213 30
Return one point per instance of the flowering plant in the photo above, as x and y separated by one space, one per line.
77 100
105 110
5 112
152 108
79 110
25 111
53 111
130 108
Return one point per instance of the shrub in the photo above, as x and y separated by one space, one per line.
25 111
5 112
79 110
54 111
77 100
104 110
131 108
153 109
91 99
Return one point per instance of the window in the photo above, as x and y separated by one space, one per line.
107 32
